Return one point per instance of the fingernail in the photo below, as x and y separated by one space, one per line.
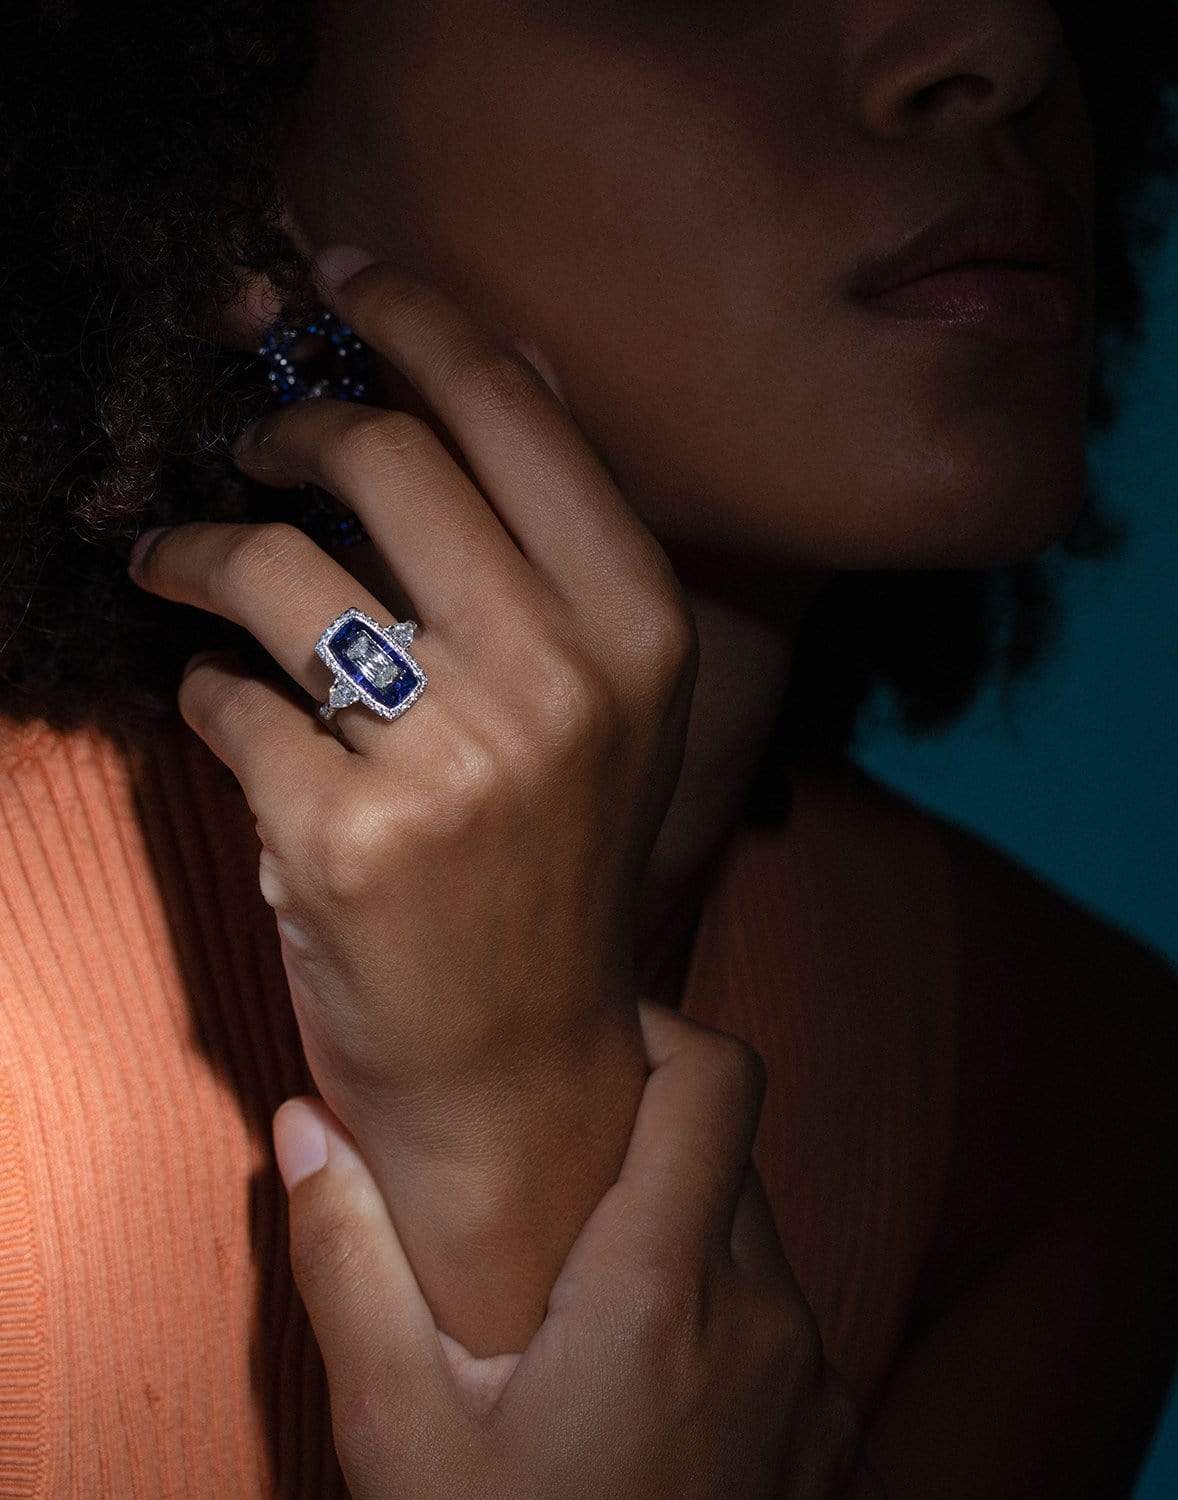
300 1142
144 542
336 264
195 661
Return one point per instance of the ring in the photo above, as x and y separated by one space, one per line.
371 664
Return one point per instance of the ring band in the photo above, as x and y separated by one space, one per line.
371 664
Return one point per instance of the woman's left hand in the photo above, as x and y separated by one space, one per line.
678 1360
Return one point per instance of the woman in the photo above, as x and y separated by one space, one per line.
699 226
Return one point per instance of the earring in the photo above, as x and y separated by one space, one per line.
348 361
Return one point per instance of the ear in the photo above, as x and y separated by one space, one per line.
242 323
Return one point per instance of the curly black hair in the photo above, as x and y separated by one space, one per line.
135 144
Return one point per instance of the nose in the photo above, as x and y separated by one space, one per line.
955 64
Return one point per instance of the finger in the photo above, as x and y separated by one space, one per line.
374 1327
677 1190
532 461
480 1379
755 1245
431 526
279 585
272 745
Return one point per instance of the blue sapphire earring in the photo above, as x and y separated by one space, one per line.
345 377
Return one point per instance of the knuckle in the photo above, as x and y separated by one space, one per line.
738 1070
364 834
354 843
662 650
273 882
201 704
667 1333
256 556
373 437
676 639
217 708
574 707
403 296
491 384
463 787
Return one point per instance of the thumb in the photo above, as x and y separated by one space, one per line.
374 1327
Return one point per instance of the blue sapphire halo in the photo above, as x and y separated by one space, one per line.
371 665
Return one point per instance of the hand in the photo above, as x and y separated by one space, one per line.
454 889
678 1357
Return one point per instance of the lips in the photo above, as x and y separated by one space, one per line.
1012 220
1004 301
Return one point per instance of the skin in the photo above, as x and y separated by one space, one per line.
473 1055
468 1038
683 292
677 1285
666 202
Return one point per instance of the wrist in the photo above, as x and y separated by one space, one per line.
545 1088
491 1182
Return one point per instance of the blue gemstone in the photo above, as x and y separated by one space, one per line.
372 664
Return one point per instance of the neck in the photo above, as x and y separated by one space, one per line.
746 647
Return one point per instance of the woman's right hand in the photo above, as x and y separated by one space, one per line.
678 1357
457 897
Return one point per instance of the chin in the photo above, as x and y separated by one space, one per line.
971 516
990 516
924 471
953 510
998 487
995 468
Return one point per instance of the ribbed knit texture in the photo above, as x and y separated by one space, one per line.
152 1342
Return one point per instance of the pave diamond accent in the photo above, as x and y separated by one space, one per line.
342 693
371 664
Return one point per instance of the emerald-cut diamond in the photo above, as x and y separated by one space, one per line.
371 663
377 666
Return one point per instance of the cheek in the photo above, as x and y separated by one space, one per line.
739 401
673 256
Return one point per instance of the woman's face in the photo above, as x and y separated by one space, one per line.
671 198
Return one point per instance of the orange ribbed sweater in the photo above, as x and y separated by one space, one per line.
152 1341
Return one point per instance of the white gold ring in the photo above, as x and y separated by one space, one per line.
371 664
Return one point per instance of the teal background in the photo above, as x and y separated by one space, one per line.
1076 775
